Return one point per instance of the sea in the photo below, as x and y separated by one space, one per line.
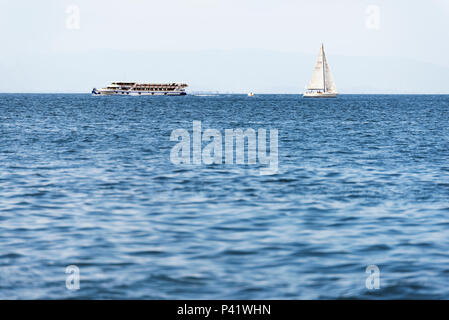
92 205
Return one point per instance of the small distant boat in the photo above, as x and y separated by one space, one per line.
322 84
250 94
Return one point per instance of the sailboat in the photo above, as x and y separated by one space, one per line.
322 84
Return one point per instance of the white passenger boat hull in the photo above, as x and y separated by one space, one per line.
138 93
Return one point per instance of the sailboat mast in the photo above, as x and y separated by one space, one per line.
324 72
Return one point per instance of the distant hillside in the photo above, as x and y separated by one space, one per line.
225 71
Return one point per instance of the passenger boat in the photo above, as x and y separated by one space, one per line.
142 89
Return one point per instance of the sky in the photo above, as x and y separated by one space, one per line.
375 46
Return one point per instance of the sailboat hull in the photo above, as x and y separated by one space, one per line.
319 95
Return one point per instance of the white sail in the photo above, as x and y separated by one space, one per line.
329 80
317 82
322 79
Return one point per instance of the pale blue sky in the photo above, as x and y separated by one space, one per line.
226 45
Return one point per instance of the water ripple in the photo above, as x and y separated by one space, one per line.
88 181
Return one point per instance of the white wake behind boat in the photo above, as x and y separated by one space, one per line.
322 84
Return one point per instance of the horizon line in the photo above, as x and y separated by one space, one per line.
240 93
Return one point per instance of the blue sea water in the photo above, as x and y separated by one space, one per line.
87 181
